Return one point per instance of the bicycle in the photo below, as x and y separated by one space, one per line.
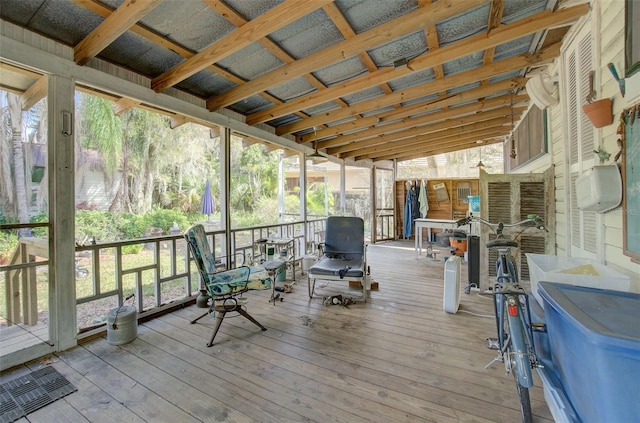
511 306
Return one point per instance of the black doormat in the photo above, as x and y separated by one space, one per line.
28 393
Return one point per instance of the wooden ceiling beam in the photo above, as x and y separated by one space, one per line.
404 25
341 23
124 105
337 18
477 111
418 143
104 11
36 92
463 146
472 122
406 111
279 16
425 146
430 59
511 85
238 20
495 18
440 136
116 24
461 79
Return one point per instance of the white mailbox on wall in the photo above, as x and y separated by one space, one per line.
599 189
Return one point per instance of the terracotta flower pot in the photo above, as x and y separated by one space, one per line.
599 112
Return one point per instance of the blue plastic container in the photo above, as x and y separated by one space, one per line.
594 338
474 203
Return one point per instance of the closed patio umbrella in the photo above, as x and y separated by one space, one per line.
208 203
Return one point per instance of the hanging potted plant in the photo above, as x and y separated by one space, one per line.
599 112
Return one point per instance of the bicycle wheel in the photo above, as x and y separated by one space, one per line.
518 365
525 402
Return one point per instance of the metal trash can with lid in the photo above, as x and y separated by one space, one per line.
122 325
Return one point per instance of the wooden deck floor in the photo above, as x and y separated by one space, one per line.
397 358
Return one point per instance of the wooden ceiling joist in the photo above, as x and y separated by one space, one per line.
425 146
431 59
236 19
124 105
478 111
463 78
406 111
126 15
462 146
419 137
104 11
407 24
349 129
270 21
417 141
426 149
34 93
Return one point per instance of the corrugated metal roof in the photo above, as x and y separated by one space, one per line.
294 101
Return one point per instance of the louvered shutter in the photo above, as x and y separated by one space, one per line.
511 198
581 139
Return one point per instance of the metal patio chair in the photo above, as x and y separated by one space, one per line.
344 254
225 287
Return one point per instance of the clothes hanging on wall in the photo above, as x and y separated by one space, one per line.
411 209
423 200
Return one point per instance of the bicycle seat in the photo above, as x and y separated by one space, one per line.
501 242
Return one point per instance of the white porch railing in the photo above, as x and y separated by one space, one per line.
161 276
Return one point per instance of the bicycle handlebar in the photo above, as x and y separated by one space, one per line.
532 218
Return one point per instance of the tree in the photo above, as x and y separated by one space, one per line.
255 175
15 117
7 187
152 164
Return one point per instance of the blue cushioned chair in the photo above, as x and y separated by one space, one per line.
344 255
225 286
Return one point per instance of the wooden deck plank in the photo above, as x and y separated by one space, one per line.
331 388
127 391
340 345
247 374
397 358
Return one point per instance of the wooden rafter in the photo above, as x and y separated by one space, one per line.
126 15
36 92
420 125
236 19
495 18
425 145
349 129
270 21
430 59
459 79
445 115
471 142
96 7
410 22
433 43
415 109
432 132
